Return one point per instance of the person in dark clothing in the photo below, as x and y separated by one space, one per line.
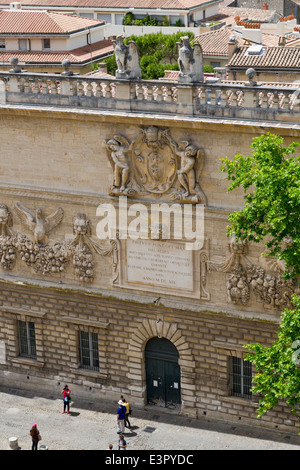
35 435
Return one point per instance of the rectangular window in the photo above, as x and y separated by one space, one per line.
88 349
23 45
240 377
27 345
46 43
2 43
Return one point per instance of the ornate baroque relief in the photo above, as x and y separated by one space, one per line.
244 277
50 258
154 163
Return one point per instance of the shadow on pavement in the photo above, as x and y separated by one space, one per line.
162 415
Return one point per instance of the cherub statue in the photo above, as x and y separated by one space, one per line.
127 58
189 154
190 61
117 149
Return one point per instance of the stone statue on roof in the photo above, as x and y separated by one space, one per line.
190 61
127 58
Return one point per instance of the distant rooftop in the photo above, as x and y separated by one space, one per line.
280 57
43 22
141 4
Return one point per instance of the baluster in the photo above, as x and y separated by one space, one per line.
27 85
53 87
108 90
264 100
201 96
149 93
291 102
80 88
36 86
45 88
98 91
168 94
159 93
140 92
240 98
270 99
89 89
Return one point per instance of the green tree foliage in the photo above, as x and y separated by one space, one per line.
270 178
277 366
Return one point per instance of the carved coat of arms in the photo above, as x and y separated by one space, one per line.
155 163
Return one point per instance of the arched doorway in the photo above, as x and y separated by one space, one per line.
162 373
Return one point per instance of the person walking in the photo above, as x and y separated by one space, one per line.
127 412
120 417
122 443
66 393
35 435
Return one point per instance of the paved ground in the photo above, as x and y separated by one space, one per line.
92 426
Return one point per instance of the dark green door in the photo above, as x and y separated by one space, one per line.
162 373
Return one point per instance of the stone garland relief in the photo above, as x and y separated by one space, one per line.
46 258
244 276
154 164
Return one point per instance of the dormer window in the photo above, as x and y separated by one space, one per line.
2 43
46 43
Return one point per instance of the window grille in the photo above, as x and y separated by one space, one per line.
27 345
240 377
46 43
88 348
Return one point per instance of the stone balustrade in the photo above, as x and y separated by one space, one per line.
246 100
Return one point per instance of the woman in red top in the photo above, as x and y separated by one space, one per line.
66 398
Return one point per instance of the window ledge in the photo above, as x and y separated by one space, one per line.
239 400
90 373
28 361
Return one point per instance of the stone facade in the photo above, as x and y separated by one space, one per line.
57 274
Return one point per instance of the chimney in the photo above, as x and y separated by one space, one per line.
15 6
232 45
265 6
282 41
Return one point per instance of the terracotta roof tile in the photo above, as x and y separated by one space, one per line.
253 14
272 57
216 42
43 22
76 56
144 4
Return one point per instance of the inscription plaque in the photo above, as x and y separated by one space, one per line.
159 266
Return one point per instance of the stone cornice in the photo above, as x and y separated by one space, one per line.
252 126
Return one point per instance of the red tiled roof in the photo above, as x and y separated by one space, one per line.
76 56
253 14
272 57
143 4
42 22
215 43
